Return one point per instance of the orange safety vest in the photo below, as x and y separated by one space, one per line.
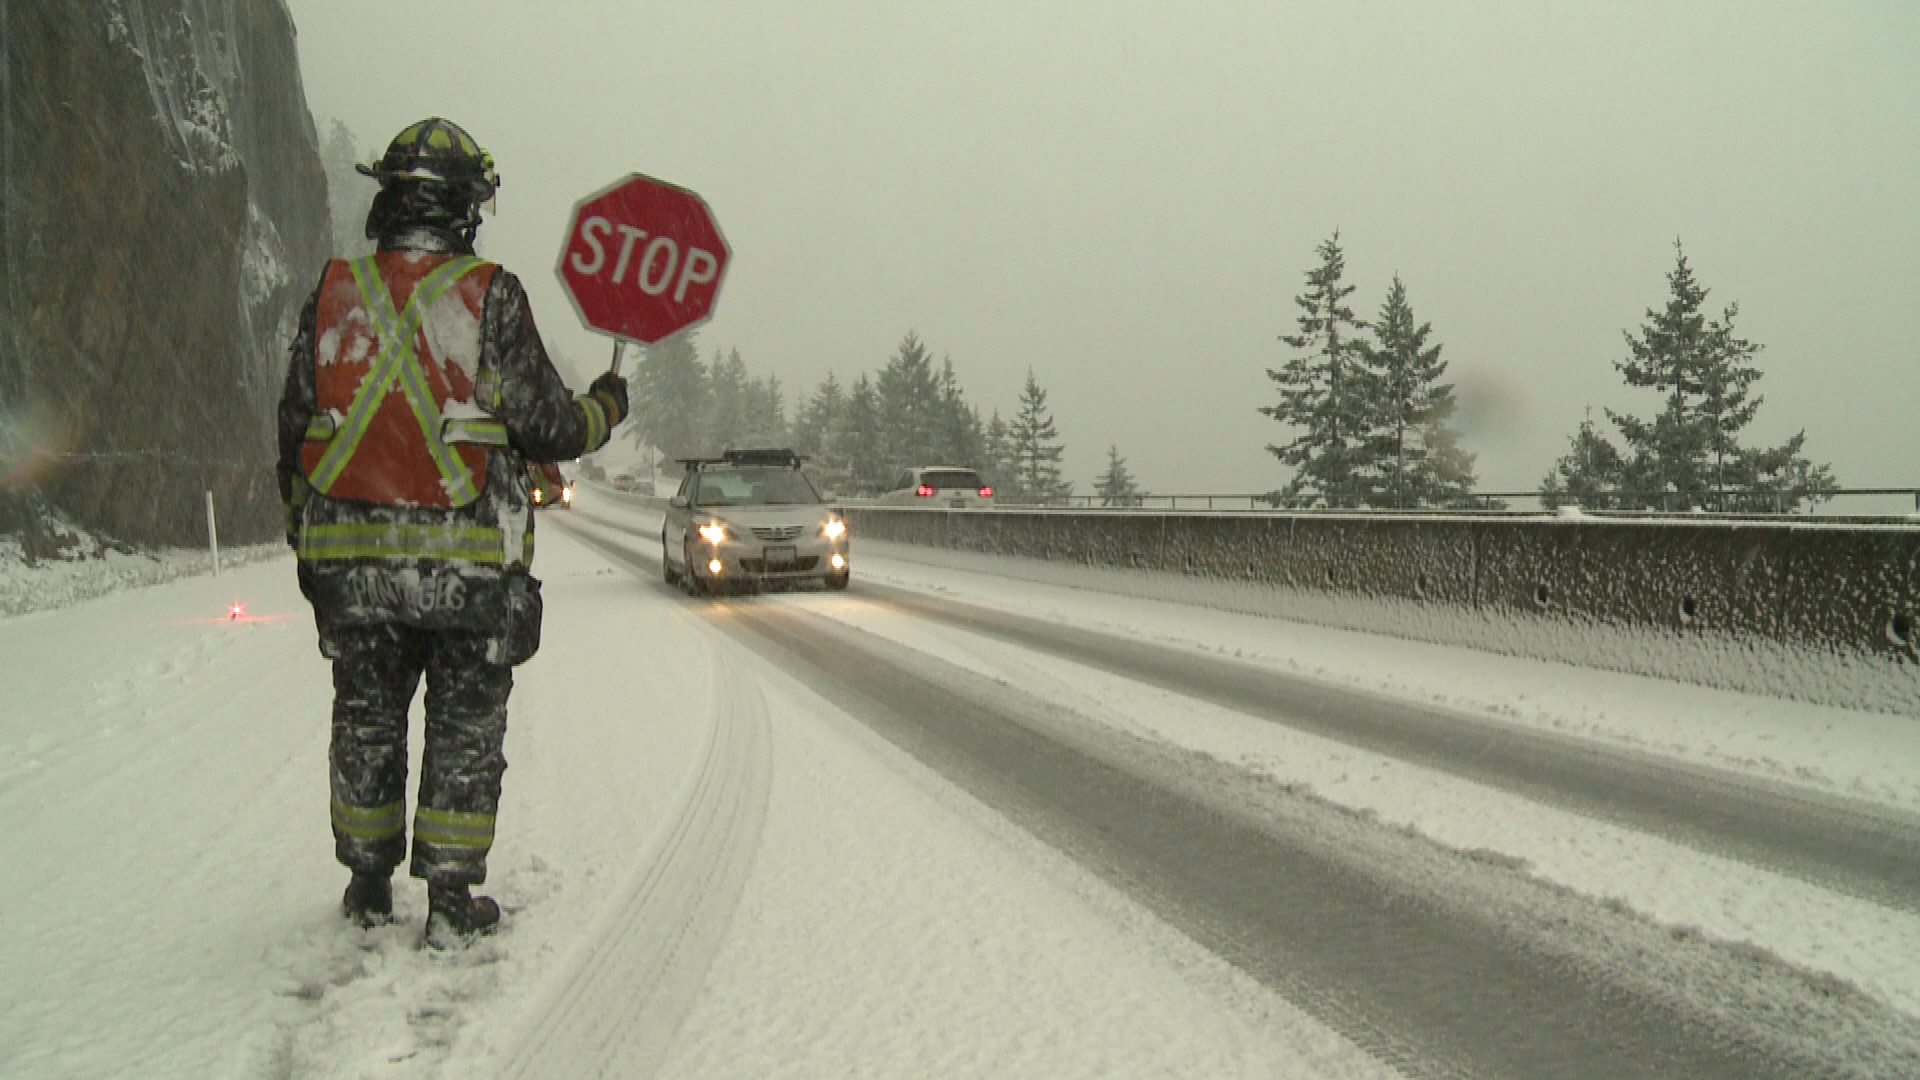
404 413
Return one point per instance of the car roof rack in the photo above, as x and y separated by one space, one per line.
765 455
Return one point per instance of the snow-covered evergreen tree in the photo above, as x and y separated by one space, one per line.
1116 486
1324 395
1688 455
725 425
1036 449
765 416
997 448
909 399
1419 458
814 423
1587 475
958 439
669 397
858 436
815 434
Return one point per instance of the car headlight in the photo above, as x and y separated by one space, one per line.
713 534
834 530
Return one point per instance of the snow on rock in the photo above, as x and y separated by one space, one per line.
165 185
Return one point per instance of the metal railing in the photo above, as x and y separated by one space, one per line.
1783 503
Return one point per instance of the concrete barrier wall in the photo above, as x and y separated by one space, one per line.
1848 594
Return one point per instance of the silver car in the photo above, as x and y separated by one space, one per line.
750 517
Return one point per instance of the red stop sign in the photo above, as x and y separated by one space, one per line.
643 259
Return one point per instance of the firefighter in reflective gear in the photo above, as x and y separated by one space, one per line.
417 393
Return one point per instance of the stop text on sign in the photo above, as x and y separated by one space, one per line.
661 261
643 259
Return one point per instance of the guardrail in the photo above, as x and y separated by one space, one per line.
1485 502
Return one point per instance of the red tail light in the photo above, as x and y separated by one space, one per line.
924 491
986 493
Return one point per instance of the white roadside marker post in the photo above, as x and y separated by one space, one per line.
213 536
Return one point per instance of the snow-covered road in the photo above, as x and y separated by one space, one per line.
713 870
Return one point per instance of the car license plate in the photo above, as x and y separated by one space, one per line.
958 504
780 555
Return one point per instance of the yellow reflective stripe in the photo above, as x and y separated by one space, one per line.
413 381
453 471
481 432
451 828
297 494
397 334
366 277
486 390
473 543
370 822
479 556
321 428
596 414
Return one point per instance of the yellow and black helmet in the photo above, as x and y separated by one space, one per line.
437 149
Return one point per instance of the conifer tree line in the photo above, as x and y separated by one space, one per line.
859 436
1369 414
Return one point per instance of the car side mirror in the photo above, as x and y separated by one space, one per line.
678 502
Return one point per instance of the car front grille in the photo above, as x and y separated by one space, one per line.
776 533
798 566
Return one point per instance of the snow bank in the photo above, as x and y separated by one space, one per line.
96 570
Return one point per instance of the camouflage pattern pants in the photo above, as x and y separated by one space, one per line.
376 670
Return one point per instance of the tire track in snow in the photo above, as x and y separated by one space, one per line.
1436 963
641 971
1852 847
1855 848
1432 962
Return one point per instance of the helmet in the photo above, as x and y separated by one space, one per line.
440 150
433 174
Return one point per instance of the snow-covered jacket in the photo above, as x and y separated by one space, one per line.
417 391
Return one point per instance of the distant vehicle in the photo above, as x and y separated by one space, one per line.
749 517
633 484
550 486
948 486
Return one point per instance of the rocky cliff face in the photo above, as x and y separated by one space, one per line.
165 214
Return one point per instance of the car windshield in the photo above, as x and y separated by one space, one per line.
952 478
750 485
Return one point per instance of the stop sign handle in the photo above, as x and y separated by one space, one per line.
615 369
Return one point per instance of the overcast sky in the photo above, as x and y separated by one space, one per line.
1125 196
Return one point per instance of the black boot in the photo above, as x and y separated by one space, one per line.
369 899
455 916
